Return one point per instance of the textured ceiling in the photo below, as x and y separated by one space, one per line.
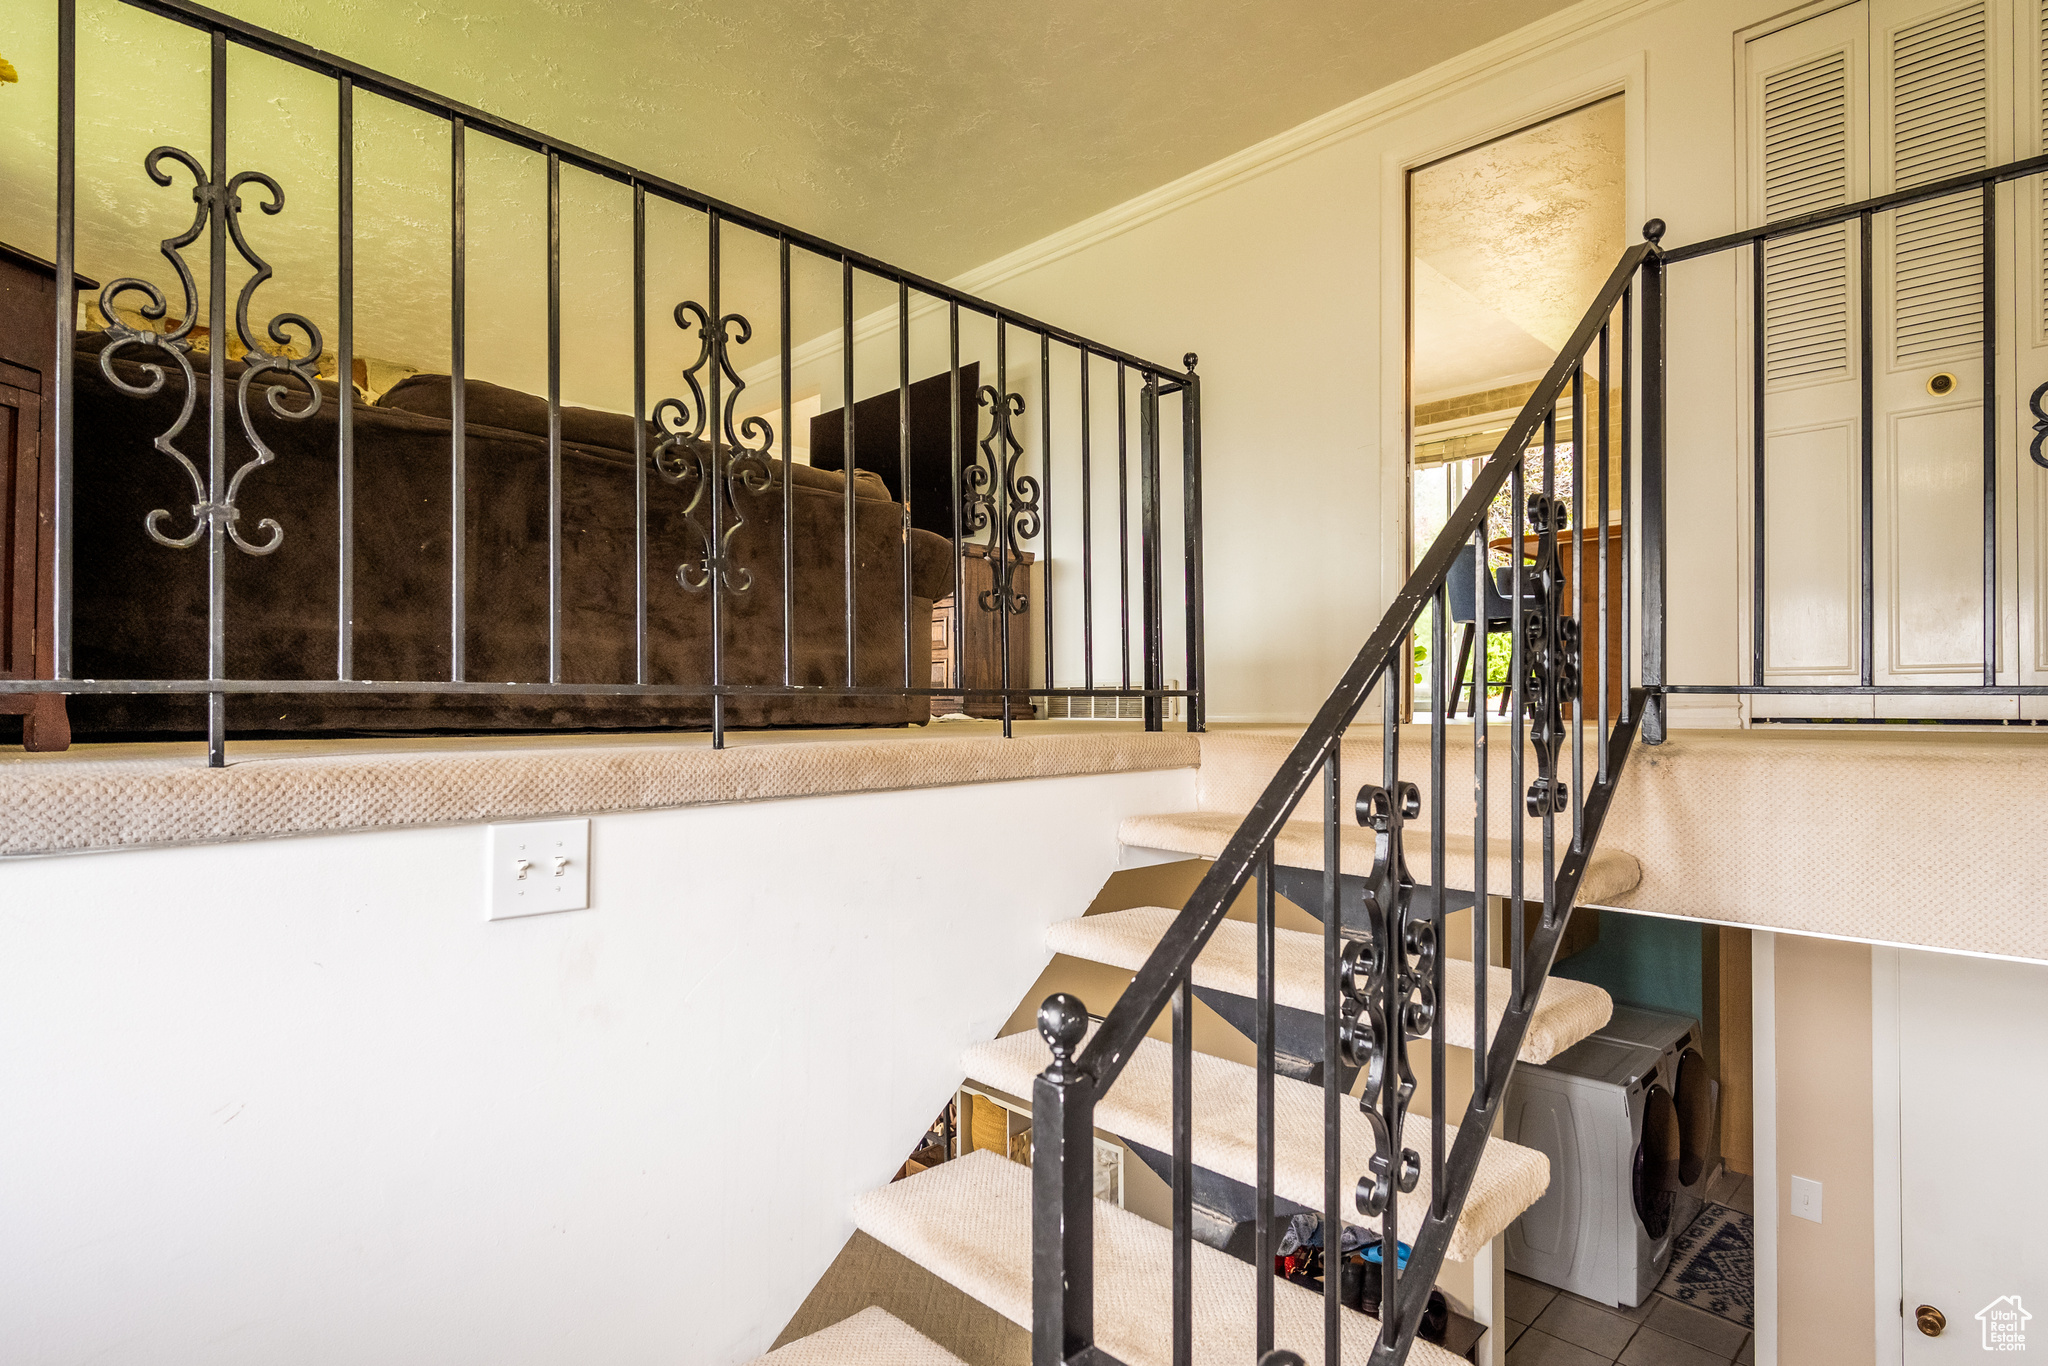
935 135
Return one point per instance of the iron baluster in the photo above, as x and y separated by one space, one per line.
1577 588
1148 552
1183 1172
687 456
554 277
1045 468
902 462
1191 506
1333 1005
1988 416
1439 724
1866 461
218 515
640 454
851 524
1551 645
1266 1237
788 513
458 401
1000 500
344 373
1651 588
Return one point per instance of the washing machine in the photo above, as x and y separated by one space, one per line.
1604 1115
1683 1071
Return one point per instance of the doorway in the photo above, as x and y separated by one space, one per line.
1508 242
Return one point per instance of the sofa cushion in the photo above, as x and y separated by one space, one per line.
494 405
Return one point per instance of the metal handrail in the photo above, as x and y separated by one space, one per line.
1371 978
698 443
1131 1016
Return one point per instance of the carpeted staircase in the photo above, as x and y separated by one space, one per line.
968 1221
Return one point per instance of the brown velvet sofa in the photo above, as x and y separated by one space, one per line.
141 606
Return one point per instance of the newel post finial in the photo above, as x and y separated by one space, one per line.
1653 231
1189 361
1063 1023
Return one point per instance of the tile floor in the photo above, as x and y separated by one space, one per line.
1733 1189
1549 1327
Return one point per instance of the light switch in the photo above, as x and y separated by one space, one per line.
539 866
1805 1199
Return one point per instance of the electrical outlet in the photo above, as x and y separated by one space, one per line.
1805 1199
538 867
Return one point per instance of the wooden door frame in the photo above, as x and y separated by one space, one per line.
1471 116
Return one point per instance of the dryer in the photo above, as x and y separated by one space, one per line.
1683 1071
1605 1117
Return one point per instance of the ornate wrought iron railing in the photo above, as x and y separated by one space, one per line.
1572 718
698 439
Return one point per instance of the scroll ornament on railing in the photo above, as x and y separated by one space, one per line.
1552 652
212 509
685 457
1385 1004
997 494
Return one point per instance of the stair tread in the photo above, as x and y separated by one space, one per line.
873 1337
1139 1108
1567 1011
1609 872
968 1222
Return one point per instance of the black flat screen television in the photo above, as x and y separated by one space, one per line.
877 427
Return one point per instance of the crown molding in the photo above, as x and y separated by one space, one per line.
1445 78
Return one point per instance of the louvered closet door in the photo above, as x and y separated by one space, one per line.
1808 121
1865 99
1933 117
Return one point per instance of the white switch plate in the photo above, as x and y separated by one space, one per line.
554 858
1805 1199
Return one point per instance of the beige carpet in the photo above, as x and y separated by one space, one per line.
1611 872
1139 1108
65 803
1567 1012
866 1275
1915 835
969 1221
870 1338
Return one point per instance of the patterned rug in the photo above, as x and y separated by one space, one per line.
1713 1265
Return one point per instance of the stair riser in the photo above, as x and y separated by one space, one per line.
1297 1036
1237 1203
1304 887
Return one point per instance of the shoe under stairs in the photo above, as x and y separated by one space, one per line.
968 1221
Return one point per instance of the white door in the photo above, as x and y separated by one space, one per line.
1973 1152
1877 96
1809 135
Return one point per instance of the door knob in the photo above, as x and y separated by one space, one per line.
1930 1319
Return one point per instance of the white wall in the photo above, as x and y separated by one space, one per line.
299 1101
1282 267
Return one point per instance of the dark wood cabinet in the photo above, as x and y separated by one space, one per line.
28 343
979 646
